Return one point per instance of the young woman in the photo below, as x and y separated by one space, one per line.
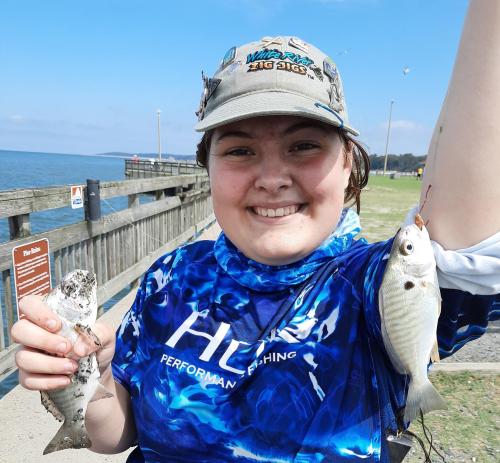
265 345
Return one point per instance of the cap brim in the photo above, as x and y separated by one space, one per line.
271 103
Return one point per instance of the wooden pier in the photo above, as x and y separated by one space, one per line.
118 247
147 168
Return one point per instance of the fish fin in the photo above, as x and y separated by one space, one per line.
435 352
423 397
87 331
69 437
100 393
50 406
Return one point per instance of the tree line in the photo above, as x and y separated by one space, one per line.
399 162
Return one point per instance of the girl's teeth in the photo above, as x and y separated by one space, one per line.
280 212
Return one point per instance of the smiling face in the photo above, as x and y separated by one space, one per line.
277 185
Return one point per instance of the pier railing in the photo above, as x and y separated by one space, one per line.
146 168
118 247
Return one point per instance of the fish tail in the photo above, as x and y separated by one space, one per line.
423 397
68 437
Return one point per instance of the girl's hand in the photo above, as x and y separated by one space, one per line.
46 360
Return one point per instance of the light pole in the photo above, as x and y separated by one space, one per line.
158 112
388 133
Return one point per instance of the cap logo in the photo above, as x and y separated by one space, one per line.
209 87
330 69
267 41
266 54
280 66
228 58
297 43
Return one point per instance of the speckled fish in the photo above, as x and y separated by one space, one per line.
410 304
75 301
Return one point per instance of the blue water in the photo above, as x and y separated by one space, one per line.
33 170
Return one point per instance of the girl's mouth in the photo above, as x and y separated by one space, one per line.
279 212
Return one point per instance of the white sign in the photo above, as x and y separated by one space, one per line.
76 197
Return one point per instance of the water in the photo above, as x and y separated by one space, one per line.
32 170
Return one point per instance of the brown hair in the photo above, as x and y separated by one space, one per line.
354 152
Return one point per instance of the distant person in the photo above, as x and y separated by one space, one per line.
135 159
224 357
420 171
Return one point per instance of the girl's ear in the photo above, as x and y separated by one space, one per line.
348 153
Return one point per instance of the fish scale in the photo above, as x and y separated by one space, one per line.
409 305
74 300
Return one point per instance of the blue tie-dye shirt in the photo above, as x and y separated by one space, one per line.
216 374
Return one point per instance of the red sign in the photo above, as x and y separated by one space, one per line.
31 269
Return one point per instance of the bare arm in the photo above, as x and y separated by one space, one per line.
109 421
463 165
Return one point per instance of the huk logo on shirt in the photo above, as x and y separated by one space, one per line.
214 341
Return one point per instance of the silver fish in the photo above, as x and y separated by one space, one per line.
409 305
75 301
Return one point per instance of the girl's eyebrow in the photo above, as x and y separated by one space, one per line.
232 133
289 130
305 125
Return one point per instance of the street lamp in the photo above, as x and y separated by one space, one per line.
388 133
158 112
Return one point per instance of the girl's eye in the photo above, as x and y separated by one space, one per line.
304 146
238 152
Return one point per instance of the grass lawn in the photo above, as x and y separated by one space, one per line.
385 203
470 429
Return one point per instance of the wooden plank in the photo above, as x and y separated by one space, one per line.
104 257
25 201
65 236
98 260
2 326
7 361
57 266
10 307
90 256
115 285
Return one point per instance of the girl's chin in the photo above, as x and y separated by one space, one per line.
277 255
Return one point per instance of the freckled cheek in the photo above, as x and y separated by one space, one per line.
227 193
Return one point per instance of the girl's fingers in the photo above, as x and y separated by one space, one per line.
33 361
101 337
35 310
38 382
31 335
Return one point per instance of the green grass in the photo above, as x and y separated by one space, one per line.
385 203
469 430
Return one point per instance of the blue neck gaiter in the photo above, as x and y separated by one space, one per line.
266 278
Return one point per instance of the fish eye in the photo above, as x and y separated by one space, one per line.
406 247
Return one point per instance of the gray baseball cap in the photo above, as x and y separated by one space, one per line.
275 76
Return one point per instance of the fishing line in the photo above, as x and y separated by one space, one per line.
425 201
426 430
422 445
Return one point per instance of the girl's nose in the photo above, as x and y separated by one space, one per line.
273 174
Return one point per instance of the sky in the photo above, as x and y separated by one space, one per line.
89 76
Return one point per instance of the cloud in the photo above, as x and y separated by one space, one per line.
402 125
15 118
